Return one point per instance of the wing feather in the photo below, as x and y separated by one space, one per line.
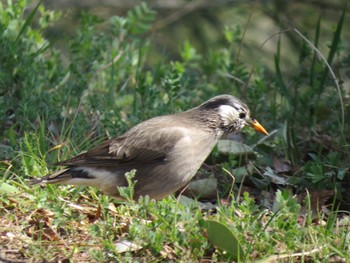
135 146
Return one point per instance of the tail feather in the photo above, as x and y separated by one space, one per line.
106 181
75 176
59 176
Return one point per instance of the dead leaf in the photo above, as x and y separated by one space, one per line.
233 147
168 252
318 201
281 165
126 246
204 188
274 177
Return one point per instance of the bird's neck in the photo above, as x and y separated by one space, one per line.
206 120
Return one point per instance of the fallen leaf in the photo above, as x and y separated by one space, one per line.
280 165
274 177
204 188
233 147
126 246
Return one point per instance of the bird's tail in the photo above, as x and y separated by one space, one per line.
57 177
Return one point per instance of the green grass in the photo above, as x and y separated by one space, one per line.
289 202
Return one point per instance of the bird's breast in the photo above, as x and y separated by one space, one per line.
189 154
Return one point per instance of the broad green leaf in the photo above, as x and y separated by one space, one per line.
223 238
233 147
6 188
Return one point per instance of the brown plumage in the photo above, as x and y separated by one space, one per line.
166 151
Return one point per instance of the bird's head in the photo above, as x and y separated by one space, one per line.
234 114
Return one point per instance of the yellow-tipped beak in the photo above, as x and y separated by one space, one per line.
257 126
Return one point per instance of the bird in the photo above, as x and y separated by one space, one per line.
166 151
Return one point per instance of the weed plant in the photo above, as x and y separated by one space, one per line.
54 105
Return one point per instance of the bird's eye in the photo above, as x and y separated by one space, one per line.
242 115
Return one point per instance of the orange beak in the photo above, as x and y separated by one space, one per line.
257 126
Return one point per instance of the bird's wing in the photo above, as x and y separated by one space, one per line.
136 146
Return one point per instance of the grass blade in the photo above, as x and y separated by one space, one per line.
279 79
333 50
313 63
28 21
332 74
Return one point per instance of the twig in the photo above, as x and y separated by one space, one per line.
273 258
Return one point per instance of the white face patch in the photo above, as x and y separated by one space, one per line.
228 114
234 118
